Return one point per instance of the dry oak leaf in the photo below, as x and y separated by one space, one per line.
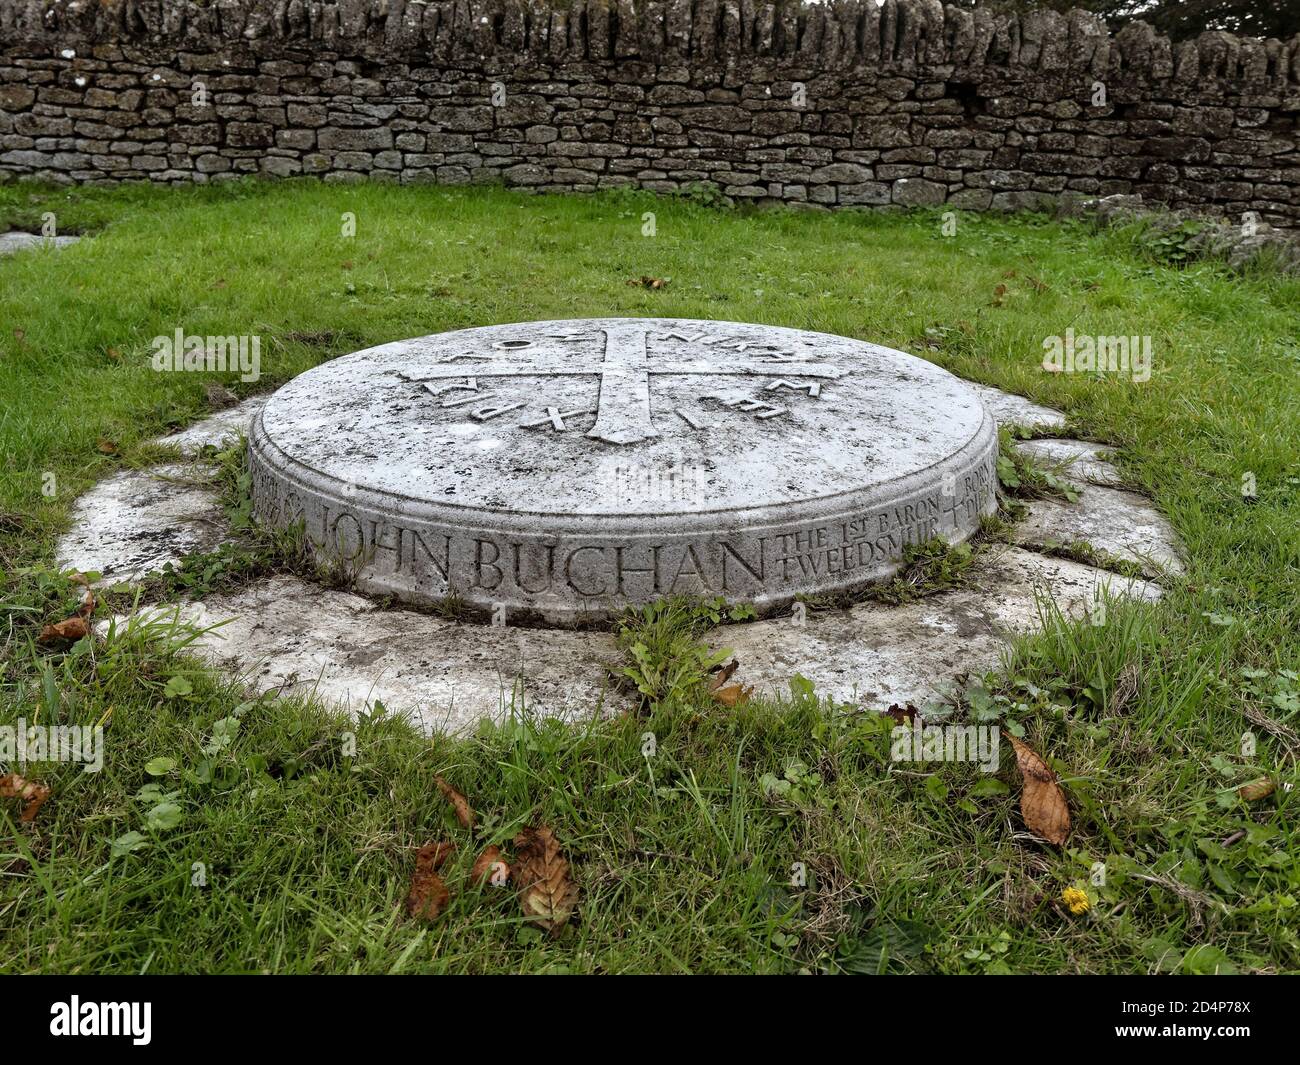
490 868
72 629
77 626
1256 789
1042 802
733 694
12 786
429 896
546 892
464 814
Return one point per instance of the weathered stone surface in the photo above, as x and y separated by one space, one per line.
908 102
217 430
15 242
449 675
136 521
881 654
1120 523
288 635
1011 409
1078 460
570 469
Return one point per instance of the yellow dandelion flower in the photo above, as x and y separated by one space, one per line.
1076 899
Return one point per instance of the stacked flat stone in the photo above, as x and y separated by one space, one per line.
907 102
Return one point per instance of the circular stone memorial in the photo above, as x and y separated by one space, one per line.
561 471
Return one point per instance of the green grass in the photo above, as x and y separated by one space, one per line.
305 838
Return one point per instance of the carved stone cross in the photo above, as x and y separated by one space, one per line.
623 407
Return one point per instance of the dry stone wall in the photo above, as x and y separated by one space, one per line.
849 103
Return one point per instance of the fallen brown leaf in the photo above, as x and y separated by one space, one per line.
73 628
105 446
464 814
733 694
723 675
647 282
429 896
546 892
1042 802
490 867
1256 789
12 786
904 715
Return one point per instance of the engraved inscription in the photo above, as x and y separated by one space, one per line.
623 402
